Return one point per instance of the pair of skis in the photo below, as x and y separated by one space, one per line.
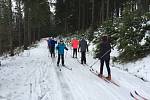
137 95
111 81
104 78
64 67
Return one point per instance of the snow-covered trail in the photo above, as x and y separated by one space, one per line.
36 77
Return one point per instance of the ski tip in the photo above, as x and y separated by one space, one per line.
131 94
136 92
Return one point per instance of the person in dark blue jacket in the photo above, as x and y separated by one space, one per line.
49 43
61 47
52 48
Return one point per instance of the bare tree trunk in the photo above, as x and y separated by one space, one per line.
0 28
0 41
10 28
29 28
19 20
139 4
39 30
26 12
107 13
102 10
19 5
93 5
83 16
79 16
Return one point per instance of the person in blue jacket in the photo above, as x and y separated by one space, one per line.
60 47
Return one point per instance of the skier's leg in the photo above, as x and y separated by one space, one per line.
108 69
76 52
58 60
81 57
73 52
54 52
101 66
51 51
62 59
84 58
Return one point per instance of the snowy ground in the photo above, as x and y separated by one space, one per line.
140 68
35 76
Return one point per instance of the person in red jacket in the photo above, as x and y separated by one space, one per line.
75 44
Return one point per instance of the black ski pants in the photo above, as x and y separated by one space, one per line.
107 66
83 57
74 52
62 59
52 51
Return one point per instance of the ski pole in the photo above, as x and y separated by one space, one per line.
100 58
94 63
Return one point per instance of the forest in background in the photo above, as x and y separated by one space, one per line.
125 21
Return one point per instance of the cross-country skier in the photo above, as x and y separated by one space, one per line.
104 56
60 47
75 44
49 43
52 49
83 47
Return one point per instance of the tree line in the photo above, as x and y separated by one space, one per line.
31 20
123 20
82 15
23 22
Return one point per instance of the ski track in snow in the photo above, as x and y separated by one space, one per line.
102 87
67 95
36 77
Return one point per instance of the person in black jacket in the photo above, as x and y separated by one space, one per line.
105 50
83 47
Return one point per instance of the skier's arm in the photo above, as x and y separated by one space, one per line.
57 47
56 42
65 47
100 50
79 46
87 47
72 43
